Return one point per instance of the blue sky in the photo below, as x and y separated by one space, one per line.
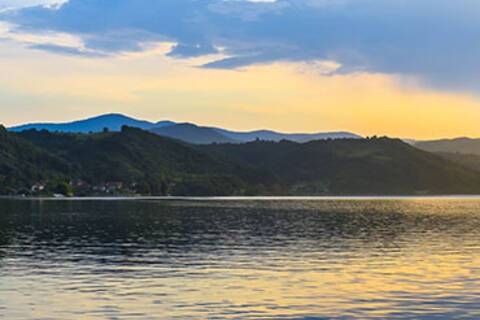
432 44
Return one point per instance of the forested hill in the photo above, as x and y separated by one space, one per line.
154 164
134 161
22 164
353 166
458 145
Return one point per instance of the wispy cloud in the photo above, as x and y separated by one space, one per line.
8 5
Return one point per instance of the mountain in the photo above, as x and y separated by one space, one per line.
192 134
187 132
460 145
277 136
354 166
206 135
112 122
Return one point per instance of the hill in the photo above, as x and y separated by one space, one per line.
22 164
269 135
192 134
458 145
139 161
351 166
113 122
470 161
136 157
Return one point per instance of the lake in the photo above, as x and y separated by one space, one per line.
240 259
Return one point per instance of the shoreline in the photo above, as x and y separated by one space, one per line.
248 198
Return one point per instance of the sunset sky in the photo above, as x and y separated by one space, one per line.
388 67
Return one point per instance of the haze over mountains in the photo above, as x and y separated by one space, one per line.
465 151
458 145
112 122
187 132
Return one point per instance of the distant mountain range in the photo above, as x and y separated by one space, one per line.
193 134
268 135
112 122
187 132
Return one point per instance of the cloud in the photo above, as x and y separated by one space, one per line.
66 50
182 50
8 5
433 40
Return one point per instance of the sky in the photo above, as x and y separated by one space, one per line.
403 68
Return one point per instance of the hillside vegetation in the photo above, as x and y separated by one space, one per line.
134 161
458 145
22 164
156 165
353 166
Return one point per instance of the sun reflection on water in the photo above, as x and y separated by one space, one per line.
271 259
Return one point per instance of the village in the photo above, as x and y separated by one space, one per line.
79 188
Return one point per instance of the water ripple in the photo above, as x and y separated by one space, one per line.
270 259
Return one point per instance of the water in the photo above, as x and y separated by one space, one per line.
240 259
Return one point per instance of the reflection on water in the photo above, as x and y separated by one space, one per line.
404 258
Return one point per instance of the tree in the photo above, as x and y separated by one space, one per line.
64 188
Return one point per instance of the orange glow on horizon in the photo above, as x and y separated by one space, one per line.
285 97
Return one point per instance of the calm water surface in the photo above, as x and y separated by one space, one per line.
270 259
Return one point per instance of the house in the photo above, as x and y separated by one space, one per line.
37 187
113 186
79 184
